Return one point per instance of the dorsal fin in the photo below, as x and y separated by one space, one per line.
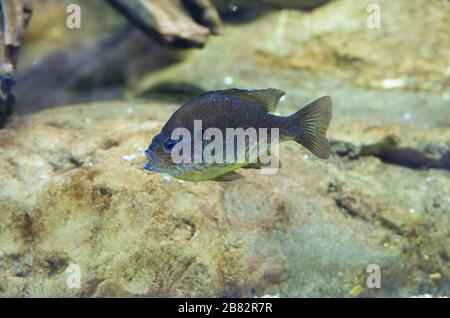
267 98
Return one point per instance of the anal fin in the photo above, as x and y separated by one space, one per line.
255 165
260 165
229 176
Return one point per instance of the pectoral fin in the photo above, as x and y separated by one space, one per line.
229 176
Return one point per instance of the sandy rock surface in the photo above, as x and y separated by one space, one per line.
74 192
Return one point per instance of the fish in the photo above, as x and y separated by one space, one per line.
402 156
388 151
233 109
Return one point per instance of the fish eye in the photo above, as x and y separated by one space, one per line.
169 144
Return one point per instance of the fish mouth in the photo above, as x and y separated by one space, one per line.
154 161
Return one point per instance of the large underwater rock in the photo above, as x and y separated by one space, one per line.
335 41
71 193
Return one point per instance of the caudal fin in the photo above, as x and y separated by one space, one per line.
313 121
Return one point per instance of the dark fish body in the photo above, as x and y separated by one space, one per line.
223 111
236 108
407 157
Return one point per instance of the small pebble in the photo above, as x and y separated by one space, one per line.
271 296
44 177
423 296
166 178
130 110
16 265
393 83
130 158
435 276
283 99
356 290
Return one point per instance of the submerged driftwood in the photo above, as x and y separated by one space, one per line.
294 4
176 23
14 17
226 7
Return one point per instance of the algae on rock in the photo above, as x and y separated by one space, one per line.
68 197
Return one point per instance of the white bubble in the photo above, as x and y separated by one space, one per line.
233 7
283 99
130 110
228 80
407 116
167 178
44 177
